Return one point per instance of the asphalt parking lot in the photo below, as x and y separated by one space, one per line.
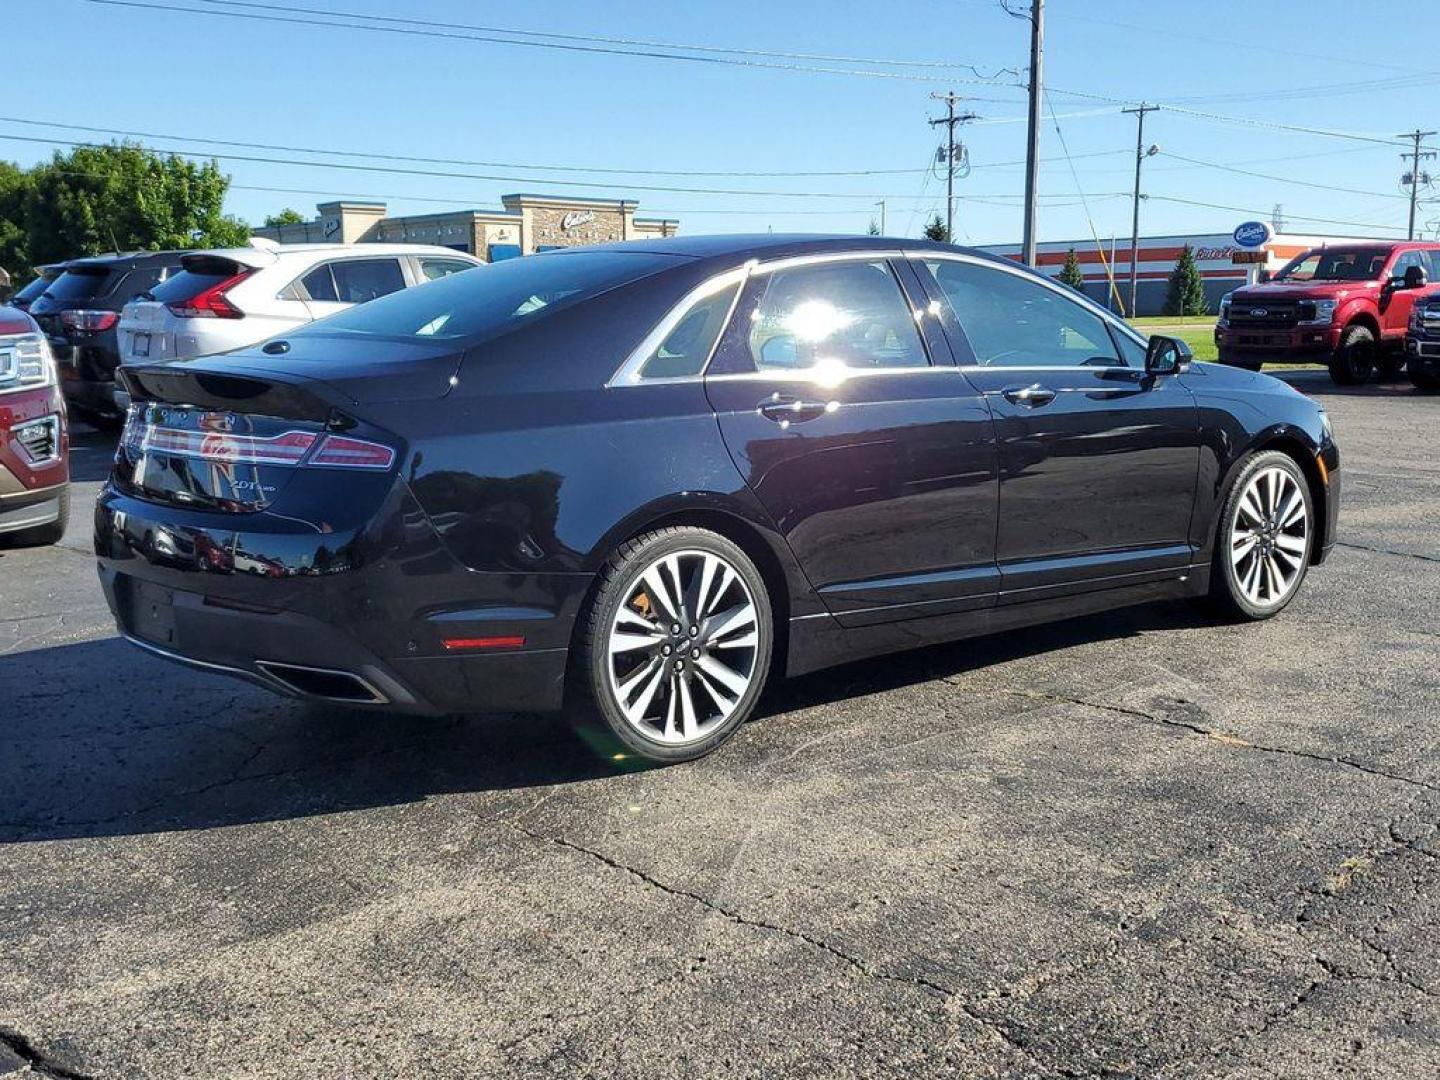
1143 844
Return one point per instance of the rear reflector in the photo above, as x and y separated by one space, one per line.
455 644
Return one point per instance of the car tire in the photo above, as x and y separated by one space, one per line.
676 645
1264 539
1421 378
50 533
1354 360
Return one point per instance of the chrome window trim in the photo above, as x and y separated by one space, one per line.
628 373
792 261
1080 299
809 375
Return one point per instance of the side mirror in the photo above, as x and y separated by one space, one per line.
780 352
1414 277
1167 356
1263 276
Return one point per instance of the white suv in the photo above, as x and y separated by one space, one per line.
229 298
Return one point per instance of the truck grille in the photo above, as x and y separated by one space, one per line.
1263 316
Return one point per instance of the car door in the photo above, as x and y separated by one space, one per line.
1396 301
871 452
1098 459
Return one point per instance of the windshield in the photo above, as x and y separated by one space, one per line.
498 297
1355 264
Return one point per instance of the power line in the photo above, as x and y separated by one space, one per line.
1264 213
378 156
1280 179
647 54
633 42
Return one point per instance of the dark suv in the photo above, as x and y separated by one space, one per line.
79 311
31 290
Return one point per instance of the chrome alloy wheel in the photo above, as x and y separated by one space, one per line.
1269 537
683 647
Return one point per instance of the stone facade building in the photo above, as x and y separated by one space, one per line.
527 224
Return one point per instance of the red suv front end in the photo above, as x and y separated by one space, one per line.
34 441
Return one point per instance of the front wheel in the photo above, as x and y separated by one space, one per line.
1263 538
1355 359
677 644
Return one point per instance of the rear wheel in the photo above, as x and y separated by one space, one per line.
1421 375
1263 539
1355 358
677 644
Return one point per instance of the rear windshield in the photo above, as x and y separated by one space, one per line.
83 283
496 298
33 289
197 275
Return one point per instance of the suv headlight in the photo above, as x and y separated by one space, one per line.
1322 311
25 362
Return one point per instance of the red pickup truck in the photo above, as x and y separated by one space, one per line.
1343 305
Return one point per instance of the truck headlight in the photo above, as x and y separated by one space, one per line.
25 362
1324 312
1224 319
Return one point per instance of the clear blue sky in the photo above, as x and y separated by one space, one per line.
193 75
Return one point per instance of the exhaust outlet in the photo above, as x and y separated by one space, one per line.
324 683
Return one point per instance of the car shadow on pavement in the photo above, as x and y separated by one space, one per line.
102 740
1319 384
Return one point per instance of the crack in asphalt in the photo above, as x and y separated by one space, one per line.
38 1062
1388 551
1227 739
855 963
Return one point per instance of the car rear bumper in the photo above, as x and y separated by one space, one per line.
368 627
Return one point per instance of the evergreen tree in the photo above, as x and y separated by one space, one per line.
874 229
1071 274
1186 294
936 230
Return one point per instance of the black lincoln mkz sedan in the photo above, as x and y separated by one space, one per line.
640 480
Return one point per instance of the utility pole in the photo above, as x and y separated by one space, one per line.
881 204
1415 156
1140 155
1032 147
950 120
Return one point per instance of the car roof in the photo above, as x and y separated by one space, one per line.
270 254
126 260
773 245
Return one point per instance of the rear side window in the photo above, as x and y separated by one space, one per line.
319 284
85 283
361 280
432 269
506 295
32 290
685 348
140 281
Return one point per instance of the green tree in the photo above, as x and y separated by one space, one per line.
936 230
14 242
874 229
287 216
119 197
1186 294
1071 274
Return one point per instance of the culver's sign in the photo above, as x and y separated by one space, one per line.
1253 234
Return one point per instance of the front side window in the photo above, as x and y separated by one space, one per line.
359 280
687 347
1011 321
1409 259
849 315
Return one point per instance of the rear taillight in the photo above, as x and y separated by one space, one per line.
293 448
92 322
212 303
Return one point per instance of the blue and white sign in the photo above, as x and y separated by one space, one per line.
1253 234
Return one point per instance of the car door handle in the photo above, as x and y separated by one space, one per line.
788 410
1031 395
